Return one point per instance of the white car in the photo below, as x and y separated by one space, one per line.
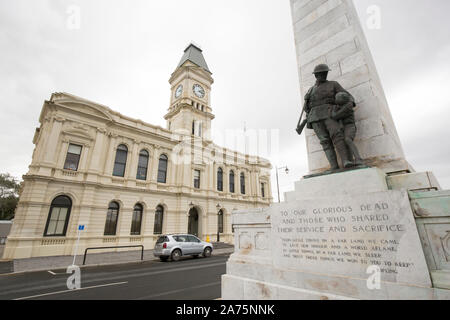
175 246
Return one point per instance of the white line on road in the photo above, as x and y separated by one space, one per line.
55 273
180 290
75 290
151 273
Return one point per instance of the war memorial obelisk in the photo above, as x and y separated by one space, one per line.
379 232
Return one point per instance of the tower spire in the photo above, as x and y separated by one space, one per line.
194 54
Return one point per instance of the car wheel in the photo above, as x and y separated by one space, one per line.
207 252
163 259
176 255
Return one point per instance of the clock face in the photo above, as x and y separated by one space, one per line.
199 91
179 91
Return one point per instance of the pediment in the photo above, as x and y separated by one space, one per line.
87 109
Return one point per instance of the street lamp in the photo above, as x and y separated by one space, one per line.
218 220
278 185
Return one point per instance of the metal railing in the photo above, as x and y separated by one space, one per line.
118 247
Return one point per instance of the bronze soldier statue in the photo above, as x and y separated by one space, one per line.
319 105
345 114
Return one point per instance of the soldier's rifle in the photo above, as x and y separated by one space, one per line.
301 124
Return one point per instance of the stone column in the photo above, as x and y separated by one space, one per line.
134 158
98 155
155 164
329 31
111 155
50 155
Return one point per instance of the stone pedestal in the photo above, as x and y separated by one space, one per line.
342 236
329 31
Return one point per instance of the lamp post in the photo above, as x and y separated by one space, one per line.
278 185
218 218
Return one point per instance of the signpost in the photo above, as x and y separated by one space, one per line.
80 228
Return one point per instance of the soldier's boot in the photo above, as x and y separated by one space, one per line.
332 158
354 151
341 148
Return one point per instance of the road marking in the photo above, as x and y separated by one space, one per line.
152 273
56 273
67 291
180 290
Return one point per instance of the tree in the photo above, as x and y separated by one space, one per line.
9 196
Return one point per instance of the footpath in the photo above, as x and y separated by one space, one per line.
92 259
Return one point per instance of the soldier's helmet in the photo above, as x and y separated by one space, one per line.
321 68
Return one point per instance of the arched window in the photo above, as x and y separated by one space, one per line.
242 183
159 216
111 219
232 181
137 219
162 169
142 165
58 217
263 190
121 161
220 179
220 222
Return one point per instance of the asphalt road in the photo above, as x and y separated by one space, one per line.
187 279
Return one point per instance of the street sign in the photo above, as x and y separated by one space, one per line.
80 228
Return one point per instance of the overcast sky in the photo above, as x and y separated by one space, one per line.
125 51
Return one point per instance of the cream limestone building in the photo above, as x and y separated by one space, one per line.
128 181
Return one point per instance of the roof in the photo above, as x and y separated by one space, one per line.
194 54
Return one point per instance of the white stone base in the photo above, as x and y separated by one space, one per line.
317 287
259 270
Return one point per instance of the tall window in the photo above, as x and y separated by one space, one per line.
220 179
111 219
162 169
220 222
232 181
121 161
197 179
159 216
142 165
136 222
263 191
58 217
242 183
197 128
73 157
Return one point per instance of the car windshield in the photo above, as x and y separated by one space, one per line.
162 239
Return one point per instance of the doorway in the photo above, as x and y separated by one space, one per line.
193 222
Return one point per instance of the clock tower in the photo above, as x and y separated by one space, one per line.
190 110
